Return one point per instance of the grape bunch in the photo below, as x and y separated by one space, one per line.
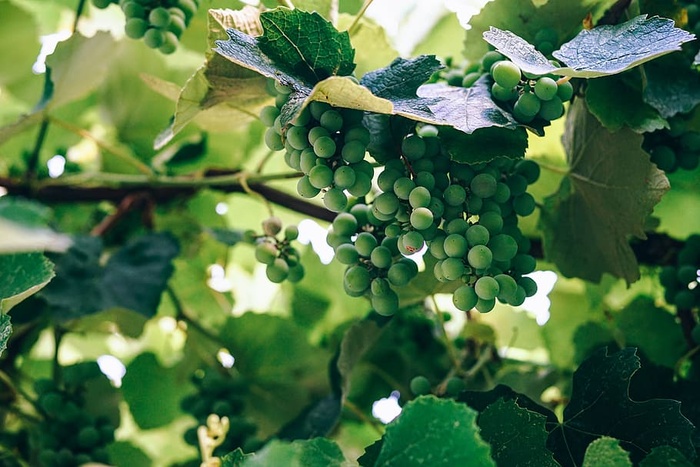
327 144
160 23
68 435
222 394
682 281
279 256
675 148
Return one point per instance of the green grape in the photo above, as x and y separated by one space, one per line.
272 139
565 91
545 88
403 187
344 177
454 386
331 120
421 218
324 147
452 268
317 132
400 274
133 10
297 136
170 42
411 241
456 226
365 243
465 298
335 200
504 247
307 160
551 109
492 221
101 4
506 74
687 274
469 79
483 185
420 386
507 287
266 252
321 176
436 207
379 286
387 203
455 246
503 94
419 197
425 179
362 185
88 437
387 178
523 263
437 272
346 254
527 104
345 224
529 285
528 169
282 88
353 151
268 114
159 17
177 24
305 189
489 59
477 235
486 288
484 306
684 300
413 147
480 257
664 157
385 304
437 247
524 204
317 109
189 7
135 28
454 195
357 133
154 38
381 257
291 232
357 279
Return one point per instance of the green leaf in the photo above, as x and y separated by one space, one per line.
654 330
318 419
617 104
481 400
359 338
306 45
5 331
600 406
468 109
317 452
589 337
601 51
607 196
24 227
19 28
665 456
372 46
671 85
517 436
24 274
235 458
485 144
436 432
606 451
153 392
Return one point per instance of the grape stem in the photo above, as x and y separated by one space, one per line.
181 315
255 194
356 22
33 160
56 367
362 416
449 345
78 13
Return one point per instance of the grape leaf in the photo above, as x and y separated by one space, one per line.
665 456
616 104
318 419
485 144
317 452
601 51
606 451
153 391
517 436
24 274
5 331
19 27
480 400
600 406
564 16
24 227
436 432
672 86
356 341
609 192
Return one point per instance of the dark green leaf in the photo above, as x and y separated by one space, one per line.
318 419
672 86
590 337
153 391
436 432
235 458
517 436
665 456
617 104
360 337
480 400
24 274
317 452
485 144
227 236
606 451
125 453
5 331
600 406
610 191
25 212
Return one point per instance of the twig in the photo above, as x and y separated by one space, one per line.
360 14
362 416
35 155
78 13
449 345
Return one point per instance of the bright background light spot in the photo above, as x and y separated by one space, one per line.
112 368
48 45
56 166
217 278
387 408
221 209
225 358
167 324
539 303
311 232
3 191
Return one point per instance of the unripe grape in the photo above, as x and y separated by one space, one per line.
486 288
381 257
419 197
365 243
357 279
455 246
331 120
413 147
335 200
545 88
169 44
420 385
272 226
454 386
344 177
480 257
506 74
305 188
346 254
324 147
135 28
321 176
266 252
421 218
385 304
400 274
465 298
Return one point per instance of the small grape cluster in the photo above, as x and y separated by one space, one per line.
222 394
677 147
160 23
68 435
279 256
327 144
420 386
682 281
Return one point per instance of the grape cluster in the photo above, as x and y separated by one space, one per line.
682 281
160 23
279 256
68 435
675 148
222 394
327 144
531 99
420 385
